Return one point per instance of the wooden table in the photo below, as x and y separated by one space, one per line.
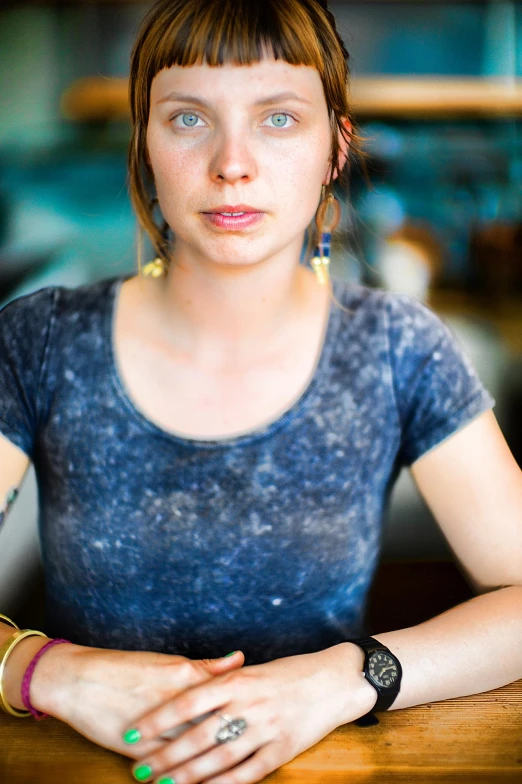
469 740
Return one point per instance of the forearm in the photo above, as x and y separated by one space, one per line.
471 648
45 683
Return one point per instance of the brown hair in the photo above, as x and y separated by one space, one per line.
241 32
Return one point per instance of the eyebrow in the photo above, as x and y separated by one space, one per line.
286 96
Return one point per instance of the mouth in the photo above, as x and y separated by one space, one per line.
240 217
234 210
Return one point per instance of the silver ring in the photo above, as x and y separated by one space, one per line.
230 729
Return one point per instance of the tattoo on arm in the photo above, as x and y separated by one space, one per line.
12 495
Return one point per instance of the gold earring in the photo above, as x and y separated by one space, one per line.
154 269
327 217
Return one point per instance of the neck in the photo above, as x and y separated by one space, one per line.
228 316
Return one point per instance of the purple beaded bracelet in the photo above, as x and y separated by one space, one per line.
26 680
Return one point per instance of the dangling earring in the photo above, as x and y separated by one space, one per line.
154 269
326 219
158 267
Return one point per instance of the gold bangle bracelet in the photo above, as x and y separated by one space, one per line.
9 621
5 650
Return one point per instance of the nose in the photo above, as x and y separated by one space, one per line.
233 158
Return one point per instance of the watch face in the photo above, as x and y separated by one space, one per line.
383 669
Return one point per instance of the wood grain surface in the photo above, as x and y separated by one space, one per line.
470 740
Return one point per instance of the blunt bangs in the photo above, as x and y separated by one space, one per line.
232 32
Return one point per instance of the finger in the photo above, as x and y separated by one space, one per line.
145 749
134 738
181 728
184 707
198 754
231 661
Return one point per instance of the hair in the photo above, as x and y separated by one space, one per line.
238 32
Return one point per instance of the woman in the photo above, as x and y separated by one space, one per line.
215 444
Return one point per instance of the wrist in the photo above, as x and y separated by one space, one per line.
355 695
52 677
49 678
15 667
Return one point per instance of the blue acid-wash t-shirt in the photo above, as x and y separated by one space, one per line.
266 542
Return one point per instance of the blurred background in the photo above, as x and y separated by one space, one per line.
437 92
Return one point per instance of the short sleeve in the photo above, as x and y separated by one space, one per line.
437 389
25 326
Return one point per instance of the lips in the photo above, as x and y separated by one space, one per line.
233 222
231 209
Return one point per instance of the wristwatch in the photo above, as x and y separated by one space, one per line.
383 670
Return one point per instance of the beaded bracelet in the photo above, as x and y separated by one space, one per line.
26 680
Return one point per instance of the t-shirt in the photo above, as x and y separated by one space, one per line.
266 542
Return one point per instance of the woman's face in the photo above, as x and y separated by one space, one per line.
232 135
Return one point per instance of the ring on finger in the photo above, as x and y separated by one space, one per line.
230 729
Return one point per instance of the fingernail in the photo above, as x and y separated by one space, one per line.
132 736
229 654
166 781
142 773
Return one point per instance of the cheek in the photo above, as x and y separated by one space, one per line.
295 176
302 163
169 163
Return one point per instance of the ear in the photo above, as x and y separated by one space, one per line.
344 149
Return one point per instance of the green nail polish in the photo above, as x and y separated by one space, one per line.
142 773
166 781
132 736
230 654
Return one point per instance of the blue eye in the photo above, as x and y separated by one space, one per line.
192 119
279 119
188 118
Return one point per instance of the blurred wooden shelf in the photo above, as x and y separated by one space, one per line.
433 97
98 98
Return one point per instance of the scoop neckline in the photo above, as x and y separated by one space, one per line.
311 392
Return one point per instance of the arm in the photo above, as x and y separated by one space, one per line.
14 465
472 648
473 486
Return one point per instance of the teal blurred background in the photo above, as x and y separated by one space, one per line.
64 208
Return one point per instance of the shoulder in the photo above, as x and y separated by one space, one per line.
48 299
395 304
19 307
402 331
55 317
57 308
26 323
87 299
400 316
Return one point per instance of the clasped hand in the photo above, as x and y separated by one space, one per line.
288 704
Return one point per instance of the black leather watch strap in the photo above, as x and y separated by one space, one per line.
384 699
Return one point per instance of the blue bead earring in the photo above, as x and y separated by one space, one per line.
326 219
